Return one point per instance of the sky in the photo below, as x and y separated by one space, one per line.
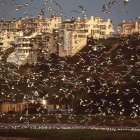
93 8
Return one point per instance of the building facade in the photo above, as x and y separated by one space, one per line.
71 39
73 33
96 27
48 24
7 38
25 51
30 49
128 28
64 38
6 107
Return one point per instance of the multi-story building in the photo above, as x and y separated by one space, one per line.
73 33
64 38
4 25
28 26
7 39
10 31
129 28
48 24
26 49
96 27
71 39
30 49
10 26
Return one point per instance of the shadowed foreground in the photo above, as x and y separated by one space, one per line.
69 134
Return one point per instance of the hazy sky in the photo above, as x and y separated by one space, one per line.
93 7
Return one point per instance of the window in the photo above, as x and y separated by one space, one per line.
103 27
81 36
96 26
110 26
102 33
95 31
75 37
30 45
76 42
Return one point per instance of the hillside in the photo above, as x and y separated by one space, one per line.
99 79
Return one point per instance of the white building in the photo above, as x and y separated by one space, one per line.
65 38
7 38
96 27
48 24
30 49
73 33
129 28
25 51
71 39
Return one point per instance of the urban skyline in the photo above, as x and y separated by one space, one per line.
117 12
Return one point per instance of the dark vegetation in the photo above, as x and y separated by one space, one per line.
94 81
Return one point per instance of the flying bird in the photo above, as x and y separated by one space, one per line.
75 11
57 4
82 8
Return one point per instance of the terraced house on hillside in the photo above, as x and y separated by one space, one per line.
129 27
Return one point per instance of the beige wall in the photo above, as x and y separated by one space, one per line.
71 42
128 28
97 27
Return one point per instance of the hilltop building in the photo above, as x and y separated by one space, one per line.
71 39
96 27
73 33
7 39
64 38
128 28
24 51
48 24
5 25
29 49
9 33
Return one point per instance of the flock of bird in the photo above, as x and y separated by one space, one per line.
53 7
27 6
99 81
107 7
